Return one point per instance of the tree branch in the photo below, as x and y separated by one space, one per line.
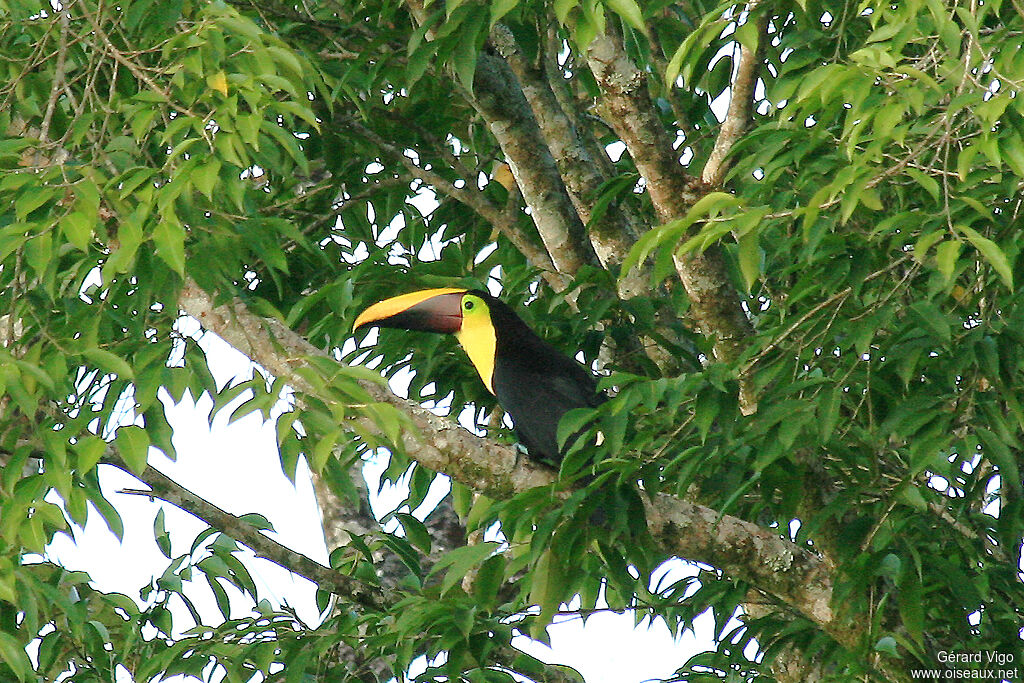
163 487
612 234
715 304
496 216
445 446
365 595
791 573
741 105
499 99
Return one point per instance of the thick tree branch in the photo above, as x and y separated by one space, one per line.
790 573
715 304
584 172
445 446
499 99
633 116
612 234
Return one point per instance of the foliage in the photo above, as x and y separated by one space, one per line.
287 155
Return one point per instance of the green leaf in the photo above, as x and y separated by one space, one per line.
323 450
671 232
141 122
932 318
78 229
257 520
828 412
30 200
500 8
924 243
415 531
163 540
108 362
749 255
133 444
465 54
488 580
1013 154
562 9
13 654
946 255
696 40
545 580
630 11
170 245
965 161
240 26
130 236
911 603
39 253
911 495
887 644
992 253
90 450
206 177
461 560
931 185
999 454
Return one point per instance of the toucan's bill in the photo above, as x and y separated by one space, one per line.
429 310
447 310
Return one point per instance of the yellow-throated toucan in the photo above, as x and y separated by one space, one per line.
534 382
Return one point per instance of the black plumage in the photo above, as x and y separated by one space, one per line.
535 383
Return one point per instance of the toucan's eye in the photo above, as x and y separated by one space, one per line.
467 305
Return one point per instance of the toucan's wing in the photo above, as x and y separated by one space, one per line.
538 396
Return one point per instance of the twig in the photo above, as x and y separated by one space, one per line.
792 328
714 302
134 68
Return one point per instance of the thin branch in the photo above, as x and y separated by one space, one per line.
741 105
496 216
163 487
58 75
120 58
366 595
774 344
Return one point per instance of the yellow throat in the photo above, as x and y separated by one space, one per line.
476 335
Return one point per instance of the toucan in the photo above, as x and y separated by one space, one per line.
535 383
